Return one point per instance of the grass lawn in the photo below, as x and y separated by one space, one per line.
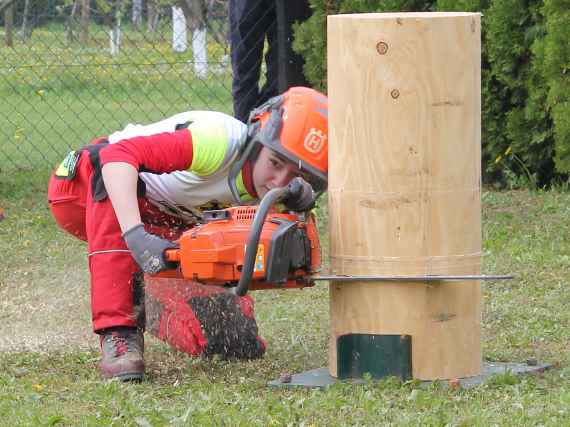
44 291
525 233
58 95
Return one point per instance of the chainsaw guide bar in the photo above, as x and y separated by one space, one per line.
428 278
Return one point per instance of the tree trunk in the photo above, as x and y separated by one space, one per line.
115 32
71 21
9 24
195 11
200 52
5 4
26 30
179 34
152 16
137 14
85 17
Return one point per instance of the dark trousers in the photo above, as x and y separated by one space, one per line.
251 22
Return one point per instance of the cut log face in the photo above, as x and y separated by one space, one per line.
405 182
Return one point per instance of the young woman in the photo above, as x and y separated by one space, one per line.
130 194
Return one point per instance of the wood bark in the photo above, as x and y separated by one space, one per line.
70 22
137 14
195 12
152 16
5 4
26 30
85 18
9 25
115 32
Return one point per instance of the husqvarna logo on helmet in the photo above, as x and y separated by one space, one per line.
315 141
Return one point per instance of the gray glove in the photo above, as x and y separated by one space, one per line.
300 197
148 249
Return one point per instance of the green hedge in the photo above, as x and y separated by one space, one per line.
552 53
525 79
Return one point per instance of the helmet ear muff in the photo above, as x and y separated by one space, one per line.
253 147
252 129
269 105
249 151
254 154
270 132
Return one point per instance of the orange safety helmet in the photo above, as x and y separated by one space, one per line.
295 125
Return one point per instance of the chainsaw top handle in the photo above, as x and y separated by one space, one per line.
271 197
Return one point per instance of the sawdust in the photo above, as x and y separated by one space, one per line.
48 314
45 308
180 312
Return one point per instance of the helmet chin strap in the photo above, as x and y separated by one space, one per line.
250 150
269 133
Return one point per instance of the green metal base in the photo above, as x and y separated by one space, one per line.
320 377
377 355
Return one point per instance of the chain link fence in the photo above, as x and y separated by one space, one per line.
72 70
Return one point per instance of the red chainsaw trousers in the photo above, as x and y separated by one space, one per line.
110 263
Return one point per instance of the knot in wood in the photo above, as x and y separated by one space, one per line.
382 47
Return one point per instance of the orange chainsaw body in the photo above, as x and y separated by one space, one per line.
213 253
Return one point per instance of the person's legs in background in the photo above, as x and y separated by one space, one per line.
251 21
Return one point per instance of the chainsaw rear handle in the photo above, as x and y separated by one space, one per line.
273 196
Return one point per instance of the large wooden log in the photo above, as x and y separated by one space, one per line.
405 183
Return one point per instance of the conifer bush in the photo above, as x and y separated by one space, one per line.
525 79
553 58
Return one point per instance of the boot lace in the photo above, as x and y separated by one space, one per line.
120 343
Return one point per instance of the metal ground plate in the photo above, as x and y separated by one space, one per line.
320 377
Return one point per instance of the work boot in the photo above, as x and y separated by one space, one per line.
122 349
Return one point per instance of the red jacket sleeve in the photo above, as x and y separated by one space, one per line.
160 153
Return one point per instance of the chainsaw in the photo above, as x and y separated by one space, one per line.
250 247
258 247
285 250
